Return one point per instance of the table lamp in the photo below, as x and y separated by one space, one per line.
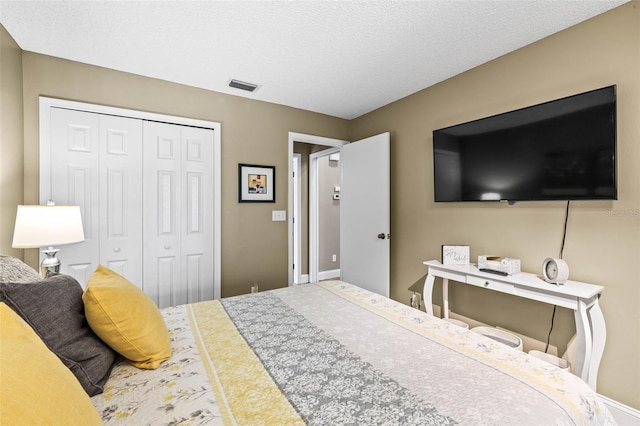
47 226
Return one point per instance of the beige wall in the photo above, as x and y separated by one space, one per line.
600 248
11 135
254 249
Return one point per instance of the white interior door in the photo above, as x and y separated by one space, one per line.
197 221
365 213
92 156
178 226
74 180
95 163
121 195
161 201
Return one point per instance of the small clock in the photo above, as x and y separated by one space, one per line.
555 271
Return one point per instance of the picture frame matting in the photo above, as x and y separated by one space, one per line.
256 183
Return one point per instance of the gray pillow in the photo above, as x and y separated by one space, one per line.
13 270
54 309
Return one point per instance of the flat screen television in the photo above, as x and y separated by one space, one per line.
564 149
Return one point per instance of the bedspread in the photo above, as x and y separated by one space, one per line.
330 354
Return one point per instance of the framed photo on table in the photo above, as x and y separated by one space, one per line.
455 255
256 184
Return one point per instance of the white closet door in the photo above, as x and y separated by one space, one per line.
178 220
148 192
75 181
95 163
121 196
161 182
197 216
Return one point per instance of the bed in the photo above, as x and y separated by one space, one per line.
331 354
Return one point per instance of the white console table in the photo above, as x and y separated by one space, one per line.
581 297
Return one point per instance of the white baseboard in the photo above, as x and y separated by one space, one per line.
623 414
327 275
304 279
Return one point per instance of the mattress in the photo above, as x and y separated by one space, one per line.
330 354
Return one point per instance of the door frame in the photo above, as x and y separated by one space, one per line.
314 212
310 139
296 182
46 103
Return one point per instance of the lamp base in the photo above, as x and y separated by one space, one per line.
50 263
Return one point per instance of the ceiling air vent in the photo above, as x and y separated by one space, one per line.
249 87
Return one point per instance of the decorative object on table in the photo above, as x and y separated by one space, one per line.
416 300
47 226
555 271
498 264
256 184
455 255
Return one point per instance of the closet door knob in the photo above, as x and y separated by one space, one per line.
167 247
117 249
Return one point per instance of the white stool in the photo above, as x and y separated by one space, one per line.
501 336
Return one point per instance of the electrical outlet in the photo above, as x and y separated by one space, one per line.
334 258
254 288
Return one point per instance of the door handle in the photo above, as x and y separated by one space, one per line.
381 236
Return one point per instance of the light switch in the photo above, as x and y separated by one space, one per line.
278 215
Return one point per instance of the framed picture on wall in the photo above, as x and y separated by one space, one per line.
256 184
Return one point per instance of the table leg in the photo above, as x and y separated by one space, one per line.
584 342
445 298
427 293
599 336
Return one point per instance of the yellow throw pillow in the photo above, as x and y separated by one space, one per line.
126 319
36 387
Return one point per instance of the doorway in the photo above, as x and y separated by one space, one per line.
295 223
324 214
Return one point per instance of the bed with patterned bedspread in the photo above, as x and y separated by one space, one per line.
331 354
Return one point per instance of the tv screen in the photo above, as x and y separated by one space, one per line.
559 150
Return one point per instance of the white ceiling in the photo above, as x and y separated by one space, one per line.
341 58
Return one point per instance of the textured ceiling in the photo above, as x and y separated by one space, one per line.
342 58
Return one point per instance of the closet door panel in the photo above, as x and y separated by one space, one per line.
75 181
197 219
166 286
121 196
161 203
145 190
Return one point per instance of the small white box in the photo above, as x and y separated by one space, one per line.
498 263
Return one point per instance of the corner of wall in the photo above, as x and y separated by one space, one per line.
11 139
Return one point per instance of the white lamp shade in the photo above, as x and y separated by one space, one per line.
39 226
